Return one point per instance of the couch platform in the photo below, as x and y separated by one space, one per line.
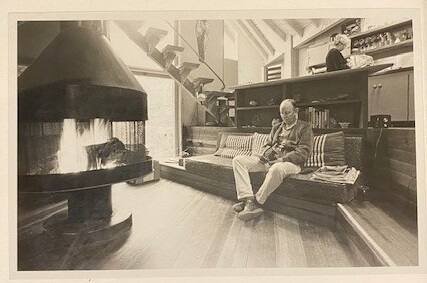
319 212
296 186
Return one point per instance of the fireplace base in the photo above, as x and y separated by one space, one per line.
90 215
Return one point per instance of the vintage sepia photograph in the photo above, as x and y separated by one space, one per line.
246 142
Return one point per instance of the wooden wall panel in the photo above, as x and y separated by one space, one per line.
392 165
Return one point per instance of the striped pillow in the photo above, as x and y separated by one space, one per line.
258 141
236 145
328 150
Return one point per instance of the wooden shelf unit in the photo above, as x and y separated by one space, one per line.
259 107
306 90
404 45
382 29
394 47
326 103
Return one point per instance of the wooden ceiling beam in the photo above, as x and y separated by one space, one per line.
293 27
275 28
315 22
252 38
261 36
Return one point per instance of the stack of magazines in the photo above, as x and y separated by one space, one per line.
336 174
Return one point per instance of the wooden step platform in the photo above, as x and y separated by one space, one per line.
388 231
201 81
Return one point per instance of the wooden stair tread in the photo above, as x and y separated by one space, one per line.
393 235
172 48
202 80
189 66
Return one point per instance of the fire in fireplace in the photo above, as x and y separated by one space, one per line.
72 153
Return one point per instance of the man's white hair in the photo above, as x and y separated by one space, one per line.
341 38
288 101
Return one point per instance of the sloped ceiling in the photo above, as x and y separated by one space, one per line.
267 35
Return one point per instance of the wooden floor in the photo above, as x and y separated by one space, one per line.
175 226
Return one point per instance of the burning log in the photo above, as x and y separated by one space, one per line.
105 155
112 153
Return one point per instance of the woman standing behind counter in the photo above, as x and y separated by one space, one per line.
334 59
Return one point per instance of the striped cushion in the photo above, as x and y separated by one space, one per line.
328 150
236 145
258 141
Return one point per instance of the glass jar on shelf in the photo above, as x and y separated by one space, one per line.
404 35
397 36
389 38
409 33
382 41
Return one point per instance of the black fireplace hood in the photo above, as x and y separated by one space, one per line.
78 76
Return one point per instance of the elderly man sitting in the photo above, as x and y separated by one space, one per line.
288 148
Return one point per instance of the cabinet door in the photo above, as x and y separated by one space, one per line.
373 98
389 95
411 102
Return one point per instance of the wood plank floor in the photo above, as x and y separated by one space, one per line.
175 226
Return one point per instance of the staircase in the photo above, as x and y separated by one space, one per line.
165 58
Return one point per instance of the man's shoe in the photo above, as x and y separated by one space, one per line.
251 211
237 207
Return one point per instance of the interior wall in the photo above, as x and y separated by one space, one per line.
251 65
231 70
160 127
230 58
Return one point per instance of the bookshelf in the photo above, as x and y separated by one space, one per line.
323 99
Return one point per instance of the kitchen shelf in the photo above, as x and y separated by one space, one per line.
391 47
258 107
326 103
381 29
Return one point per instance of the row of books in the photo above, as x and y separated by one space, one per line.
319 118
